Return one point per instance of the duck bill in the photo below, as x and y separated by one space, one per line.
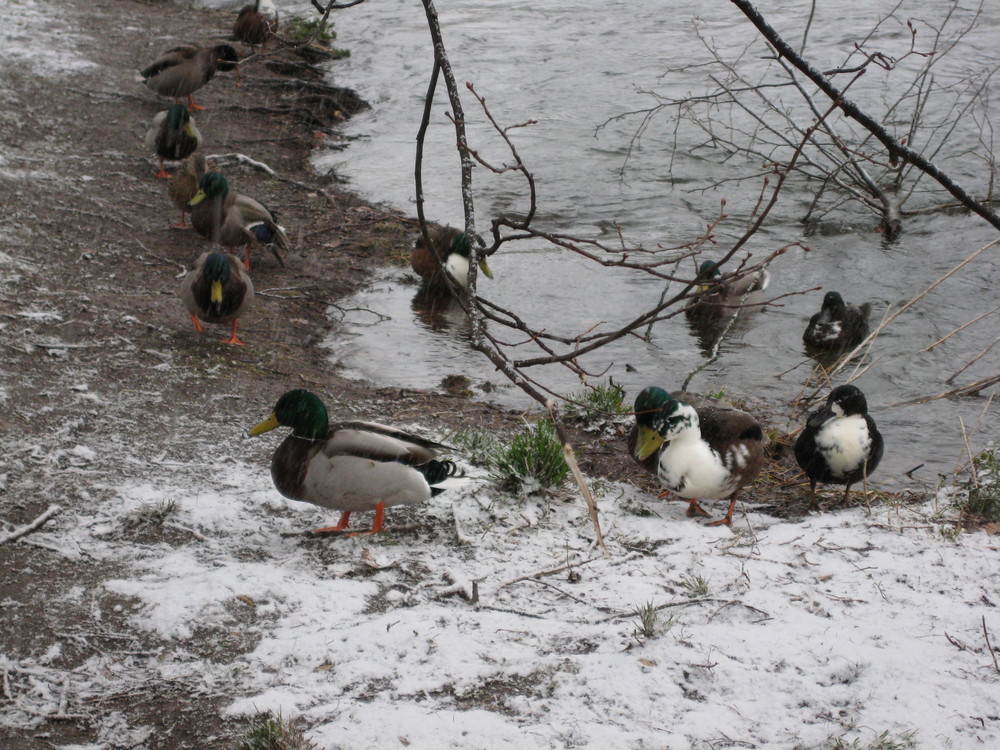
266 426
647 443
188 131
216 293
198 198
485 268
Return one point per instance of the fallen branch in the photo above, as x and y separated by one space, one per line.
29 527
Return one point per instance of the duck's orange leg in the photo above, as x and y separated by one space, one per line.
163 173
197 323
694 509
246 258
181 224
233 339
192 107
342 524
728 520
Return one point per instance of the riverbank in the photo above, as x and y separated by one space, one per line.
163 602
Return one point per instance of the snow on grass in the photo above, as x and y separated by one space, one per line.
785 635
33 42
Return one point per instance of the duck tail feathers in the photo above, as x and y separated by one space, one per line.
435 472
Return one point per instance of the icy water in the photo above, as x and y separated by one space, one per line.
571 66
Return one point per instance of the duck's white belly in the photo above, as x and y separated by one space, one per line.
693 470
355 484
845 443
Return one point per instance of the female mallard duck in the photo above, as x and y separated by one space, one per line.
706 452
350 466
183 184
231 219
183 70
450 251
256 23
172 135
217 290
840 443
838 325
719 295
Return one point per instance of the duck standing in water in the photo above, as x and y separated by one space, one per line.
840 443
720 295
217 290
838 325
706 453
350 466
172 135
450 252
182 70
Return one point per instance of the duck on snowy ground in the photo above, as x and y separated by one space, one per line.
719 295
232 220
217 290
172 135
450 251
350 466
184 69
840 443
183 184
708 452
838 325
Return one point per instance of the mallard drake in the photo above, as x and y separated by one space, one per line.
217 290
840 443
231 219
350 466
172 135
182 70
450 247
719 295
256 23
838 325
708 452
183 184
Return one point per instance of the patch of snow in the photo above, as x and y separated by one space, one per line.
32 41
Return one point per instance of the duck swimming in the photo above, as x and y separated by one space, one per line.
838 325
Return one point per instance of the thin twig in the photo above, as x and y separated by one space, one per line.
29 527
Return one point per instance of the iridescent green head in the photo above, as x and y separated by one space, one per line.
211 185
708 270
461 245
301 410
216 268
659 416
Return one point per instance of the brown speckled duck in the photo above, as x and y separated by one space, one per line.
350 466
217 290
183 184
451 247
234 220
704 452
256 23
184 69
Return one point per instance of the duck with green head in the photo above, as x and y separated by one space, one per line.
232 220
708 452
449 255
172 135
350 466
719 295
217 290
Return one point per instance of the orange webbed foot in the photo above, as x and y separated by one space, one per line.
342 524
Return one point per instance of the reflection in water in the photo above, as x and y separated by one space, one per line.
441 312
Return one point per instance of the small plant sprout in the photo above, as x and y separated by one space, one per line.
695 587
646 616
265 731
150 514
299 29
883 741
533 461
598 405
980 501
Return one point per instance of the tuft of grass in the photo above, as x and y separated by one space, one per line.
695 587
884 741
150 514
719 394
265 731
982 488
598 405
533 461
646 616
299 29
479 447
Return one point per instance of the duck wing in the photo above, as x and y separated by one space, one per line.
380 442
